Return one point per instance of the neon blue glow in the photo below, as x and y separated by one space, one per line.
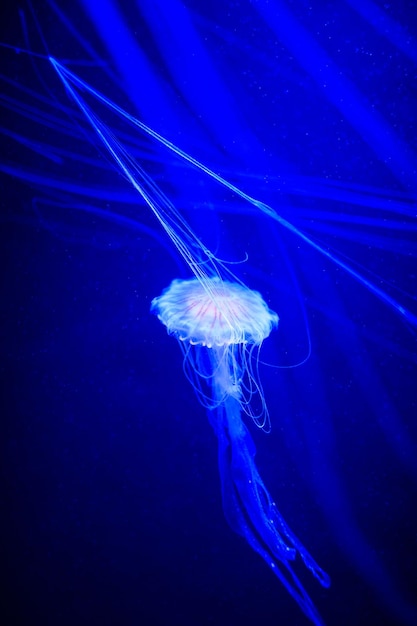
174 129
122 159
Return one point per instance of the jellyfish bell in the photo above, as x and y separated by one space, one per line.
214 313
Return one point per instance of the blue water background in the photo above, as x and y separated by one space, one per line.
111 508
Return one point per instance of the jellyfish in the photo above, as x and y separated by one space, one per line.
219 325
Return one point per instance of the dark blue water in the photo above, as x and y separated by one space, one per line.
111 505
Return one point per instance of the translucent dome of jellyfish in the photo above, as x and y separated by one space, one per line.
238 159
